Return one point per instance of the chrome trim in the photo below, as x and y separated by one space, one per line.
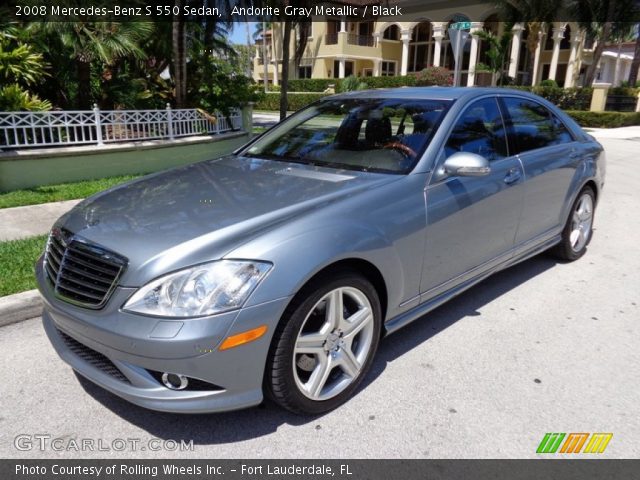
74 246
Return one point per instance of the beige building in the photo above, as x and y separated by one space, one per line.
337 48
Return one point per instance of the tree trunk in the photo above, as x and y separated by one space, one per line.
284 83
179 58
83 98
590 75
635 64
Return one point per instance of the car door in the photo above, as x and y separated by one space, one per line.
472 221
549 156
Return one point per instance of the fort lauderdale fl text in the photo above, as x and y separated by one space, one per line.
169 469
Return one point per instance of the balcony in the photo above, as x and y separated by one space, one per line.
331 39
360 40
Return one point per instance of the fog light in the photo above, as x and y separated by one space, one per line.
174 381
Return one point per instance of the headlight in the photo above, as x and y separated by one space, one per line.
198 291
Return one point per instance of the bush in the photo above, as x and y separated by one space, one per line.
271 101
575 98
549 83
434 76
352 83
14 98
391 82
321 84
311 84
605 119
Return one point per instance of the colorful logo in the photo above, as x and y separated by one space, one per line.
573 442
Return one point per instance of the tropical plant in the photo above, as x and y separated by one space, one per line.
101 42
219 84
14 98
605 21
352 83
635 64
497 54
21 68
537 15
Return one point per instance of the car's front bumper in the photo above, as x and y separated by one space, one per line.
93 342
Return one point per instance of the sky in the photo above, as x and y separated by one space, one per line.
239 34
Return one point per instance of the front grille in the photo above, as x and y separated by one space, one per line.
92 357
80 272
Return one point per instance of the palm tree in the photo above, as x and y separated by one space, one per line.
635 64
497 53
179 55
301 44
536 15
604 20
105 42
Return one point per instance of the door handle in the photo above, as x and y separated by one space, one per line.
512 176
574 153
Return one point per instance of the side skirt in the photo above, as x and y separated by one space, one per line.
427 305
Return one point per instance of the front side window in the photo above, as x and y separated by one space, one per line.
479 130
534 126
377 135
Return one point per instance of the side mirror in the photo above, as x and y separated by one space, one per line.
466 164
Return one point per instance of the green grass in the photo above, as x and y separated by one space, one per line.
17 259
63 191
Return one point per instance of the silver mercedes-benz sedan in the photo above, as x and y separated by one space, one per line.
277 269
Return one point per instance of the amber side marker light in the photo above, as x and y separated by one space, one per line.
244 337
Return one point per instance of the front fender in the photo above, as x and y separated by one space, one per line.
298 258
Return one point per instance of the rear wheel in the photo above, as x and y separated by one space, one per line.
579 227
324 345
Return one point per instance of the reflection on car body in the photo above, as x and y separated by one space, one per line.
341 224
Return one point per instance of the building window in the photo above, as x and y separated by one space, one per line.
387 69
304 71
420 47
391 33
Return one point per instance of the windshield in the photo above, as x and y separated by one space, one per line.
375 135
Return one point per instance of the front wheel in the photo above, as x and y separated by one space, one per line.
579 227
324 345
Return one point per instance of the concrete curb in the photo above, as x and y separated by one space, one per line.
20 307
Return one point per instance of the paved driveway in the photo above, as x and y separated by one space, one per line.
541 347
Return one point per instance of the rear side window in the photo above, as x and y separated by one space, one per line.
479 130
534 126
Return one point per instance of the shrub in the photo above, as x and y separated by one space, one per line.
14 98
549 83
311 84
575 98
605 119
391 82
271 101
434 76
321 84
351 83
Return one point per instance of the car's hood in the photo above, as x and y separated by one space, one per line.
202 211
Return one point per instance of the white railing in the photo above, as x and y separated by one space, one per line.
39 129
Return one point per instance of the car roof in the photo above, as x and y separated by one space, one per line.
429 93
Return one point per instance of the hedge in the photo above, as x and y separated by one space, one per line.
321 84
271 101
575 98
605 119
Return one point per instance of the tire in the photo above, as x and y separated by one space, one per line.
578 229
317 359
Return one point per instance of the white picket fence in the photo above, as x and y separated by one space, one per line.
39 129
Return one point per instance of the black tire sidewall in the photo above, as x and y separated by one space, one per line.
279 378
565 249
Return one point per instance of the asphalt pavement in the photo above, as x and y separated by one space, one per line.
541 347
